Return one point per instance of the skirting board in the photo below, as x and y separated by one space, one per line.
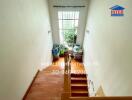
24 97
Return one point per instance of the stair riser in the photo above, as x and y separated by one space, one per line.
79 85
79 94
79 88
78 75
79 81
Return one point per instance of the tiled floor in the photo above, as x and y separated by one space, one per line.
49 83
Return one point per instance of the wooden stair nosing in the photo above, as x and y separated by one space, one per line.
79 85
79 91
78 78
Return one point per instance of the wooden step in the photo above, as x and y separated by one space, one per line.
78 75
80 98
76 93
78 80
79 87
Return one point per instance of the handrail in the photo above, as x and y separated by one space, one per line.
67 78
69 61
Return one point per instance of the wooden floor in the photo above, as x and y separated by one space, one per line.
48 84
77 67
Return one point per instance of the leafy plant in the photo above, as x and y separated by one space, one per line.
70 36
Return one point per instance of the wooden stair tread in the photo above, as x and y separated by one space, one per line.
79 98
78 78
75 84
76 91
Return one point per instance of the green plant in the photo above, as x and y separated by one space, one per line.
63 49
70 36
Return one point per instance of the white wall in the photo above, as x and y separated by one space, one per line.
108 47
24 44
54 16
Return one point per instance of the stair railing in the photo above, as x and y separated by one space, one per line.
67 78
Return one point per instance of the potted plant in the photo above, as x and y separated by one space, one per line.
63 49
55 52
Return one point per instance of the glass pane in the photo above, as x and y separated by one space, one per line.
77 15
60 24
69 35
69 31
76 23
71 14
60 15
68 15
65 15
61 36
68 24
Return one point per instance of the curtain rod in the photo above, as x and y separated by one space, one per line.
67 6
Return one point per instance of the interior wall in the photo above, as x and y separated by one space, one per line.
24 44
108 47
54 17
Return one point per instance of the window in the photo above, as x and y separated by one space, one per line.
68 25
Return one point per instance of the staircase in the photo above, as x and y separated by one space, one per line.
75 84
79 86
76 87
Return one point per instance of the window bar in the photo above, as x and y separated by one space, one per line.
67 6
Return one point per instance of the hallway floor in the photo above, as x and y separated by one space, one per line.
48 84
